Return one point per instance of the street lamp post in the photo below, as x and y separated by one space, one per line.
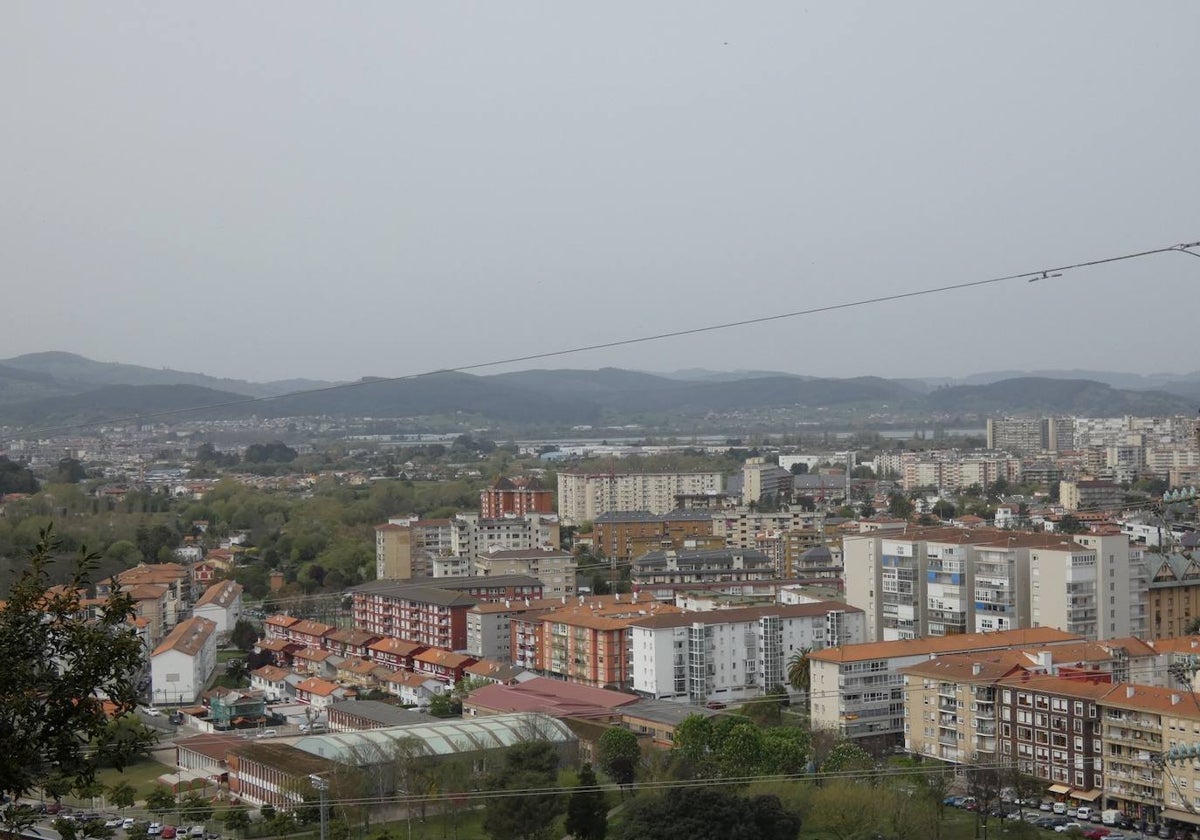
321 785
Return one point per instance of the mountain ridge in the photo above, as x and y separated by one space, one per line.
61 388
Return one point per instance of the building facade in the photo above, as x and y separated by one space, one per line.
732 654
584 496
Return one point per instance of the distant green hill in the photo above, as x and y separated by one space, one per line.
59 389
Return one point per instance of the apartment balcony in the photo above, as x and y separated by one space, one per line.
948 741
987 729
985 743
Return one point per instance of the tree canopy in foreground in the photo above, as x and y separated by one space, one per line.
67 669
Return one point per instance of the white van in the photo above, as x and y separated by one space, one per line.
1059 808
1084 813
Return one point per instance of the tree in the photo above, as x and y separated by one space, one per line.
900 506
847 756
587 812
618 754
741 750
122 795
799 670
269 453
528 766
943 509
237 820
195 808
705 813
160 801
59 667
844 809
68 471
244 635
692 749
15 478
1070 524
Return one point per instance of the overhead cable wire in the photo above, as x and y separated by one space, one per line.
1036 275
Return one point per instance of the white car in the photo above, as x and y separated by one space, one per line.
267 733
1065 827
127 823
155 829
150 710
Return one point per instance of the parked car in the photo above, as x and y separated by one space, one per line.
1096 832
197 832
151 711
1059 808
1083 812
168 832
1067 826
267 733
155 829
128 823
175 718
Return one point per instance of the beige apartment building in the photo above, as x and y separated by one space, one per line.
584 496
858 690
924 582
555 568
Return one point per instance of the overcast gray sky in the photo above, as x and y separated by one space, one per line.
268 190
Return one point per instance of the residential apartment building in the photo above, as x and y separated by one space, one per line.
942 581
1174 604
406 548
515 496
472 534
1089 495
620 535
858 690
587 642
412 613
732 654
950 470
701 567
555 569
1009 708
432 613
1031 435
742 526
1123 584
221 604
181 665
584 496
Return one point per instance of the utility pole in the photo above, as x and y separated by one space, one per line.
321 784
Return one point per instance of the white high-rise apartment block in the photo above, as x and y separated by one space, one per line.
945 581
584 496
471 534
734 654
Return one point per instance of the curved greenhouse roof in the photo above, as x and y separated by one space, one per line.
436 738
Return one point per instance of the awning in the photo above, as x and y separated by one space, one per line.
1086 795
1181 816
1059 789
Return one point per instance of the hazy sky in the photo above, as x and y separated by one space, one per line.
270 190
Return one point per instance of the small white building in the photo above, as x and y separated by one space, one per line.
272 681
181 665
221 604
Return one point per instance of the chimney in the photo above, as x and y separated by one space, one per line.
976 669
1175 698
1129 692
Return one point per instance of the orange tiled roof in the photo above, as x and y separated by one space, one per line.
932 646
